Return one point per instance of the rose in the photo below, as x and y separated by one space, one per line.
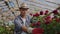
57 19
38 23
37 31
31 14
55 12
33 24
36 15
46 12
48 20
41 12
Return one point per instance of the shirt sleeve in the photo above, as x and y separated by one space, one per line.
17 23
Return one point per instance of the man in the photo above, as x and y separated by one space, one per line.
22 21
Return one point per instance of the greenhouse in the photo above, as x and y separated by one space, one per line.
29 16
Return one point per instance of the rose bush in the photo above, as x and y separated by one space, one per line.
46 23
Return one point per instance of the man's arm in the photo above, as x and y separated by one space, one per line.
17 23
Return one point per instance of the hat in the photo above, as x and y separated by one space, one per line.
23 6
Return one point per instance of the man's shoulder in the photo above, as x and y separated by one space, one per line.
17 17
29 16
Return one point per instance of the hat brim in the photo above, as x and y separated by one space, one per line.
23 8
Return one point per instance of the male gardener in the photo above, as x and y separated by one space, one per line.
22 21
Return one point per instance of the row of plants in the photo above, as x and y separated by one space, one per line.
44 23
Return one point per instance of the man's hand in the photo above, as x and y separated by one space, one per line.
24 28
29 29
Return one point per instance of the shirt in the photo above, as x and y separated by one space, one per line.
18 24
24 21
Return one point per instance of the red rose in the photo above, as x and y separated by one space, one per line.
48 18
36 15
46 12
57 20
38 23
47 22
37 31
41 12
33 24
55 11
31 14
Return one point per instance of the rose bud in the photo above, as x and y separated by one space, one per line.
41 12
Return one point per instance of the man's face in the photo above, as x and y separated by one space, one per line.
23 11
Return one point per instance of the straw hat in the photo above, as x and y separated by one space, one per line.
23 6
